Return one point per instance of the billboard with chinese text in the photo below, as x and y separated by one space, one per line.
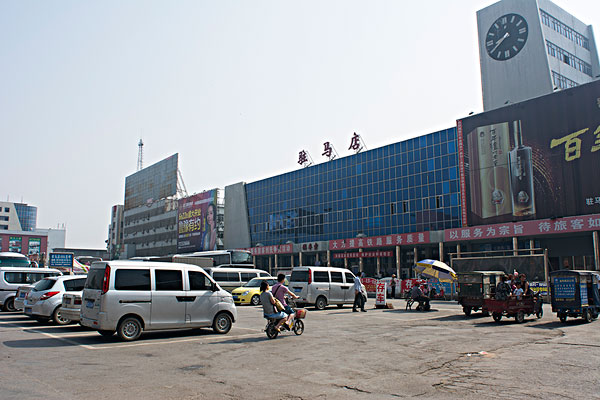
197 223
532 160
152 183
35 245
14 244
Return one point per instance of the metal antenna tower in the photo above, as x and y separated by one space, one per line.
140 160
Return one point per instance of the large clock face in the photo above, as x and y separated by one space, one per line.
506 37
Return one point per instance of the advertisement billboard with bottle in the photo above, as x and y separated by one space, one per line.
532 160
197 223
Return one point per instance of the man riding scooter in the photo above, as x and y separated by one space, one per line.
269 310
280 291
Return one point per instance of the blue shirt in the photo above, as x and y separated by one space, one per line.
357 285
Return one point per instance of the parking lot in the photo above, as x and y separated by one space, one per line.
341 355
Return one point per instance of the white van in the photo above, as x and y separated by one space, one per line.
232 278
130 297
13 277
321 286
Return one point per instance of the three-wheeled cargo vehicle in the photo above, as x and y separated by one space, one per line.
514 307
575 294
476 286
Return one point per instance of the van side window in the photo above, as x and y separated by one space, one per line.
132 279
168 279
299 276
14 277
246 276
233 276
349 277
264 274
198 281
74 285
321 276
220 276
337 277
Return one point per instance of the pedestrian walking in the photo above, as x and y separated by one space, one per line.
393 286
359 301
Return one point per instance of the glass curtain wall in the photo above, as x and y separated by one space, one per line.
410 186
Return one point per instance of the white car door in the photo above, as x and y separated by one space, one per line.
202 301
168 300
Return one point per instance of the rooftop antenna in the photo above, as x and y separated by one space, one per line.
140 160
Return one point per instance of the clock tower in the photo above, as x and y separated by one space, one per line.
530 48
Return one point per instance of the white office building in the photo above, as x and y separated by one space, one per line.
530 48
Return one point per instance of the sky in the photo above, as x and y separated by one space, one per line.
237 88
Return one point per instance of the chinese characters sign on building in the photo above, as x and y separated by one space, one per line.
404 239
525 228
271 250
364 254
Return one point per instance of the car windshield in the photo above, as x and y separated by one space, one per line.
44 284
254 282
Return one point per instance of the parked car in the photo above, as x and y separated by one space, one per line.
129 297
21 295
71 306
13 277
322 286
250 292
45 298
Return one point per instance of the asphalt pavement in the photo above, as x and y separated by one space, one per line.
380 354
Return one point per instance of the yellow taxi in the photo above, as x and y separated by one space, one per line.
250 292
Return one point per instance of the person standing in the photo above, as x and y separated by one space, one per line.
359 301
393 286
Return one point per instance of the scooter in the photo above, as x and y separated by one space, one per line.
297 324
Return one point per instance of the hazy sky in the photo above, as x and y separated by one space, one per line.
237 88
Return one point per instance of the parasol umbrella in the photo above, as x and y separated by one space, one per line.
436 269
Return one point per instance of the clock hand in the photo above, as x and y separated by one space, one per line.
500 42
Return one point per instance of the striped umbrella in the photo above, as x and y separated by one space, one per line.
436 269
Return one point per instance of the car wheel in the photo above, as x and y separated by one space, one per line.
298 327
58 319
497 317
255 300
321 303
106 333
467 311
562 317
129 329
520 317
587 315
9 305
222 323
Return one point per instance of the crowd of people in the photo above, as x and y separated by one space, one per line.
513 285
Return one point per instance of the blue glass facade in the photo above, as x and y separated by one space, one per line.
27 216
410 186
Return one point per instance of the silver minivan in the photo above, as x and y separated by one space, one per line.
321 286
130 297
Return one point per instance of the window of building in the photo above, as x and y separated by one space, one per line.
6 209
564 30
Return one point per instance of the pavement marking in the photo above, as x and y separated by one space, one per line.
136 344
50 335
